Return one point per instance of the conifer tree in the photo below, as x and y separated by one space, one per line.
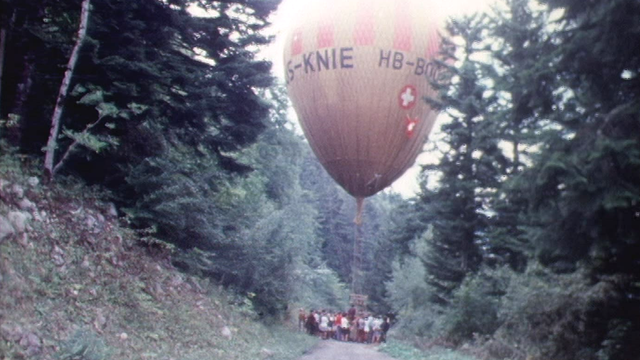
585 198
523 78
393 228
558 93
469 168
335 217
38 41
144 63
187 92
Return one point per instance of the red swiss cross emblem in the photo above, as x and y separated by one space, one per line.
408 97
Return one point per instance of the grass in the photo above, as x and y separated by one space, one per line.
79 285
402 351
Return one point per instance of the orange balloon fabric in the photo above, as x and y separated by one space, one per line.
357 72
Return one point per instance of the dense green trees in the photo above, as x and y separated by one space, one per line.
591 167
179 119
153 66
539 172
468 171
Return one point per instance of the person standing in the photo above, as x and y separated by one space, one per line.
345 327
311 323
360 337
352 313
338 326
368 328
386 324
353 330
377 330
302 317
324 325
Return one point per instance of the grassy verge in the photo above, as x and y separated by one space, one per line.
402 351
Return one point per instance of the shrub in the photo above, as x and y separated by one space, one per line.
406 352
409 297
476 304
551 315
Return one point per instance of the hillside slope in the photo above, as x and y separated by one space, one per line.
75 284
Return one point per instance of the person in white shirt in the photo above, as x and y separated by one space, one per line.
377 330
324 325
368 324
345 327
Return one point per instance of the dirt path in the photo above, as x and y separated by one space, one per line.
336 350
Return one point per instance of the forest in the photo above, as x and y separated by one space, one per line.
523 241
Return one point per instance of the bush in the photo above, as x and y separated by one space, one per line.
552 315
405 352
318 288
473 310
409 298
475 305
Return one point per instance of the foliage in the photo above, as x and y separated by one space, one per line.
78 285
154 86
407 288
383 214
583 197
403 351
175 115
319 288
469 169
408 292
551 315
336 210
527 244
255 234
539 173
476 305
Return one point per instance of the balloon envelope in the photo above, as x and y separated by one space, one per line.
357 72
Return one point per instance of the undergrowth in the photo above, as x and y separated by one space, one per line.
402 351
78 284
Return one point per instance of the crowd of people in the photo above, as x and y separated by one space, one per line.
344 326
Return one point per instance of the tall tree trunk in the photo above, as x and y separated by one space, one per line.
516 147
3 47
52 143
19 106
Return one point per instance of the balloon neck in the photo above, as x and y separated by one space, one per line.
359 207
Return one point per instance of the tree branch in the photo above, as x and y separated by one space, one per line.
73 146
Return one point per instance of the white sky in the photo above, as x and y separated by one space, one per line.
407 185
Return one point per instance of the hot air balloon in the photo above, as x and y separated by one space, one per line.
357 72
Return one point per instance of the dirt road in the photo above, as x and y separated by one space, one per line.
336 350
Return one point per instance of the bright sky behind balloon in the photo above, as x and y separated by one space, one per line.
407 185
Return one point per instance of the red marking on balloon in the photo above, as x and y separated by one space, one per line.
325 35
408 97
364 31
410 125
403 36
433 43
296 43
